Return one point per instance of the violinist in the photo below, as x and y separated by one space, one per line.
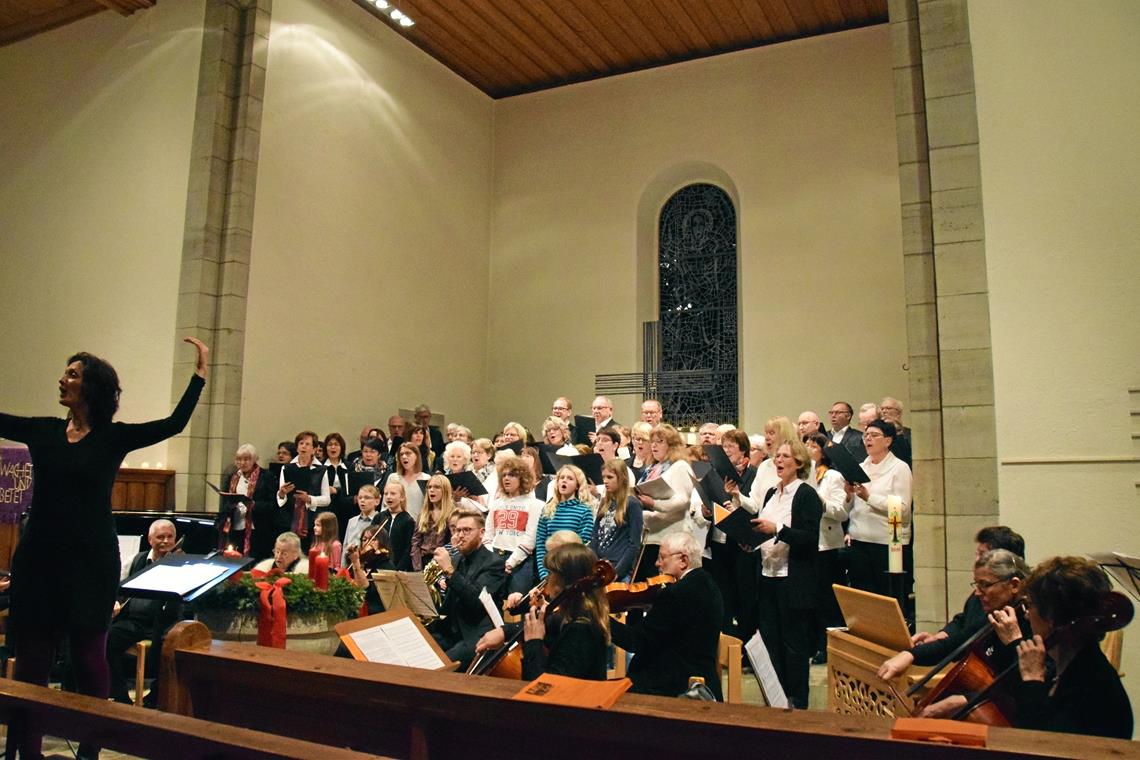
371 555
680 635
1086 696
573 641
368 499
999 578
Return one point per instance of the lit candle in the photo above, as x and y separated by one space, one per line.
231 552
321 572
894 537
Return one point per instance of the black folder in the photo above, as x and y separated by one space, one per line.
845 462
737 525
356 480
721 463
590 464
515 446
468 480
304 478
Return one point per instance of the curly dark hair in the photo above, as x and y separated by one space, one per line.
1066 588
101 389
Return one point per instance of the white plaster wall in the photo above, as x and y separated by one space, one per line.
802 134
95 150
1058 104
368 281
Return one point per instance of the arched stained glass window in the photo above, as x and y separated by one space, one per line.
697 311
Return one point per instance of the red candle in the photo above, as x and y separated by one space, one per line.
231 553
320 571
313 562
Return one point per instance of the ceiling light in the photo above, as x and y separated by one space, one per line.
405 21
396 14
381 4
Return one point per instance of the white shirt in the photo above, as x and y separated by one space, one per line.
413 496
834 498
869 518
766 478
837 435
240 508
512 524
778 509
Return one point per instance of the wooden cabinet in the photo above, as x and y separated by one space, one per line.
138 490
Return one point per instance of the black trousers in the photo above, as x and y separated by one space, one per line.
734 571
787 633
120 637
868 571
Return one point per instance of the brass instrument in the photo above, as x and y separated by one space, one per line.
433 573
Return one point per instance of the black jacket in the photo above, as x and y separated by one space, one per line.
802 538
464 613
1089 699
678 638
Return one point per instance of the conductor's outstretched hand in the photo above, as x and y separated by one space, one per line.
203 355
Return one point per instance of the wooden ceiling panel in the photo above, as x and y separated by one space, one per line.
508 47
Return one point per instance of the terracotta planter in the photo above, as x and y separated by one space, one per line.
304 633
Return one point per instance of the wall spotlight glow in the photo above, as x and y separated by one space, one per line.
381 4
396 14
405 21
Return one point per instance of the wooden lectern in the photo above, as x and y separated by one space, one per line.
876 631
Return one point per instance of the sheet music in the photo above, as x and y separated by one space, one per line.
765 674
492 608
397 643
374 645
658 488
179 580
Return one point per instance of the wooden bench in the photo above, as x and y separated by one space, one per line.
146 733
402 712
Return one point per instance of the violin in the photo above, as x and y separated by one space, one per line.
632 596
506 660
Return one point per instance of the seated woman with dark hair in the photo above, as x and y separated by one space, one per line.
573 641
1086 696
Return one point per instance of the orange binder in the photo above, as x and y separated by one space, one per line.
573 692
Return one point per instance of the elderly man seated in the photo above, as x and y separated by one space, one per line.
136 619
287 556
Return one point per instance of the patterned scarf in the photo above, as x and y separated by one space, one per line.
252 480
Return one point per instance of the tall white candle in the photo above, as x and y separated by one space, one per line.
894 536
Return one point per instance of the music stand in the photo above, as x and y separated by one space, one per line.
1123 569
182 576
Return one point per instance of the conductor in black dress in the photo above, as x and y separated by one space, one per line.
76 460
680 635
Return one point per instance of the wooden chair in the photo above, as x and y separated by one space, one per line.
140 651
728 657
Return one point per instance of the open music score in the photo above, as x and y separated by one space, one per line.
405 590
396 637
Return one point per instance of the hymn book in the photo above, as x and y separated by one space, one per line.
573 692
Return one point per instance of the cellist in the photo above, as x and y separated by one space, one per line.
999 577
573 641
1086 697
930 648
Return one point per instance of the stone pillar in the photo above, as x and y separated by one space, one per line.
216 244
947 300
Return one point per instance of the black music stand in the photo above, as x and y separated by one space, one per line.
182 576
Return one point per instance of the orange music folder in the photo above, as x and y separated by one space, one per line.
940 731
573 692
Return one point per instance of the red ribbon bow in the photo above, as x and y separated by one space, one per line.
271 617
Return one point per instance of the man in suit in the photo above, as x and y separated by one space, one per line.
651 412
563 409
463 618
603 412
136 618
842 433
680 635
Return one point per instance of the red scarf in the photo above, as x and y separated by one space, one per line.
252 479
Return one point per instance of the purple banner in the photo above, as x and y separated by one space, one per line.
15 482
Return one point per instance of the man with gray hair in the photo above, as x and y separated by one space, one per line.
807 424
680 635
136 618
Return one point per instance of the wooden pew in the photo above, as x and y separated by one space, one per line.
146 733
409 713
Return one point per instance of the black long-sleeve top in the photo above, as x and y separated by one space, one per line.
1088 699
70 516
576 649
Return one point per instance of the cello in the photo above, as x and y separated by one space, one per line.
505 661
